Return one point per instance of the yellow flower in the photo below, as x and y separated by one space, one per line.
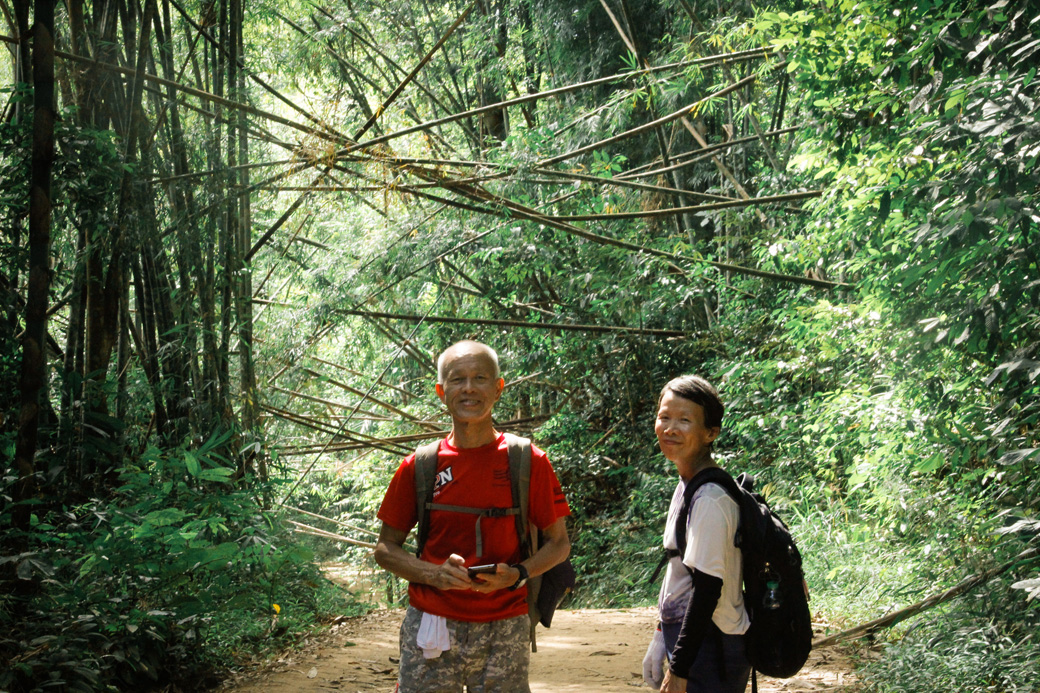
277 609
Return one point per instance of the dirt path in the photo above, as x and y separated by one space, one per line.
598 650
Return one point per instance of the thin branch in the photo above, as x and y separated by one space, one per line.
681 113
281 220
411 75
335 522
267 87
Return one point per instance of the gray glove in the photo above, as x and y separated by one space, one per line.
654 660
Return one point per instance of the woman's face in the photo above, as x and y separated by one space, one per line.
680 430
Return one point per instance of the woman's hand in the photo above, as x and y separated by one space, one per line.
673 683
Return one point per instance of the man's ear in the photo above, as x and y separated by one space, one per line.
440 391
501 386
713 433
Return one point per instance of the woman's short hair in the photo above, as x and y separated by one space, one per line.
699 391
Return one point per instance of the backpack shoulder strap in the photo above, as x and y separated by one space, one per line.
520 480
711 475
425 473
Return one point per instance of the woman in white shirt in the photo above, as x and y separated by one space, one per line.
701 605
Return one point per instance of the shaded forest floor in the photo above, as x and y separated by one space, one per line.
597 650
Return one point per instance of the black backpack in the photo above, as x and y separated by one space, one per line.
544 592
780 636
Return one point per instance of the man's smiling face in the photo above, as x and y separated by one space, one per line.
470 388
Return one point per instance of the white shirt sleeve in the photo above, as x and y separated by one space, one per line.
710 533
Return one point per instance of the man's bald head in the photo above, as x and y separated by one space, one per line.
465 347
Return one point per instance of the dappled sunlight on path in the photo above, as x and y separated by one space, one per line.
589 650
592 650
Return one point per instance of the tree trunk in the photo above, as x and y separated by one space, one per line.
33 379
494 124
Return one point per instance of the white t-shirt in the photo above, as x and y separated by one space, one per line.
710 529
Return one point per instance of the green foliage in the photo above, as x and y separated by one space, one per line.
175 578
892 420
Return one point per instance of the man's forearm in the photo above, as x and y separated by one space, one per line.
403 564
555 550
390 554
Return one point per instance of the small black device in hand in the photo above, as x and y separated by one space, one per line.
476 570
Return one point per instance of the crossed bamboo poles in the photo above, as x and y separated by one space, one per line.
470 192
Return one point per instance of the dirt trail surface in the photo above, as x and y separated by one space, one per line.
589 650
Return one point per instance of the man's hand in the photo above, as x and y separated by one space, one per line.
504 576
390 554
450 575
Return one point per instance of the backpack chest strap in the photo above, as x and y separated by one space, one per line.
481 513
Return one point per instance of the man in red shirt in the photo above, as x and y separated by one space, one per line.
462 631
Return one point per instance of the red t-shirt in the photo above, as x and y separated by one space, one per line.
475 478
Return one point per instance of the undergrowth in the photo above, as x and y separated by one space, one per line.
173 578
975 645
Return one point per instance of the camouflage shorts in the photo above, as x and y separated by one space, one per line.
489 657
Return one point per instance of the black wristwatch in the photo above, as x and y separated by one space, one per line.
523 576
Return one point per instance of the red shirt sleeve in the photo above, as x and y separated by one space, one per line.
398 507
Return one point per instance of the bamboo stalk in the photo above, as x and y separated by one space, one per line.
369 46
731 204
320 400
401 440
697 155
281 220
248 190
549 94
270 271
225 170
329 519
363 375
676 115
386 405
314 531
267 87
423 266
621 183
403 344
353 441
518 210
199 93
515 323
